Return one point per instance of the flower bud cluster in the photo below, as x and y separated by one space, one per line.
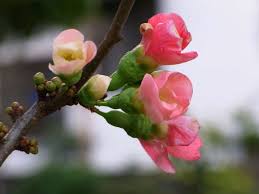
3 130
48 88
29 146
15 110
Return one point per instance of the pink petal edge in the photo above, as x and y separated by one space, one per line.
91 50
189 153
159 155
69 35
183 130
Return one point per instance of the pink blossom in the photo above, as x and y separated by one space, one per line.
71 53
166 97
164 38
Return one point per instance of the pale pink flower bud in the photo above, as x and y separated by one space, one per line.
96 87
71 53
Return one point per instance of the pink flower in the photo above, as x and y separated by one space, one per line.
166 97
164 38
71 53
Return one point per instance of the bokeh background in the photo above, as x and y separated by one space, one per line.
81 153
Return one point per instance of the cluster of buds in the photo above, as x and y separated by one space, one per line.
29 146
15 110
3 130
48 88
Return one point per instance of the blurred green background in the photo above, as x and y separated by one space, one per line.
66 172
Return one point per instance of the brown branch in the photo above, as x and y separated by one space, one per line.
41 109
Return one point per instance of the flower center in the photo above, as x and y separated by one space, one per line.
166 95
71 52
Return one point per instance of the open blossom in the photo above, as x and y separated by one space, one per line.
166 96
71 53
164 38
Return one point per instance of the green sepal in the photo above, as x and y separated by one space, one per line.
85 96
129 70
136 125
71 79
126 101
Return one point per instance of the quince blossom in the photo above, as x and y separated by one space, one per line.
71 53
164 38
166 97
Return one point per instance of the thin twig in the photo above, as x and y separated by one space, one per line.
41 109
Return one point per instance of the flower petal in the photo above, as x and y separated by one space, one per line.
177 88
178 22
190 152
177 58
159 18
164 41
161 77
149 95
159 155
175 92
53 69
67 68
70 35
183 130
182 29
91 51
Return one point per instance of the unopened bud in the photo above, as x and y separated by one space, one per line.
4 129
33 142
33 150
1 125
71 92
39 78
24 142
21 109
9 110
95 88
2 134
57 81
41 87
50 86
15 105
